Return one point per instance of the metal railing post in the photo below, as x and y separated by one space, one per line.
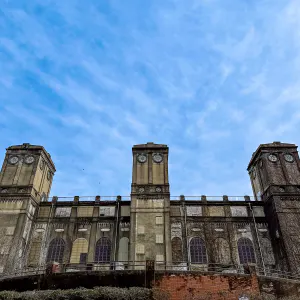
258 241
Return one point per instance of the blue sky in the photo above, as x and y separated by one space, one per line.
88 79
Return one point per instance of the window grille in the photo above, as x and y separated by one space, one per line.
198 251
56 250
140 249
159 220
159 258
246 251
103 249
141 230
159 239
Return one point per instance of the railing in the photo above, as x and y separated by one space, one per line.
49 199
88 198
238 198
214 198
122 266
275 273
172 198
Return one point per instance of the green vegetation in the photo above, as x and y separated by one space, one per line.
99 293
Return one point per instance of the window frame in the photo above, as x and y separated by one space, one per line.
198 253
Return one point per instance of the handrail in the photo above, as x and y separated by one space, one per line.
172 198
123 266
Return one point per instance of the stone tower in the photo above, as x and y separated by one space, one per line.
275 176
25 180
150 204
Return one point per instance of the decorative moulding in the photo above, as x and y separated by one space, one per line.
196 229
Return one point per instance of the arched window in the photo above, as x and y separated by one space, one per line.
198 251
103 249
176 250
79 251
56 250
123 249
246 251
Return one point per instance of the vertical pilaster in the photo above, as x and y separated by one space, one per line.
184 229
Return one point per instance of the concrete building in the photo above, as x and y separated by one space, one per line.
177 232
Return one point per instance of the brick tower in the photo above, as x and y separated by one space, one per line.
275 176
25 180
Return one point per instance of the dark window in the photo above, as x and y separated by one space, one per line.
176 250
83 258
103 248
56 250
198 251
246 251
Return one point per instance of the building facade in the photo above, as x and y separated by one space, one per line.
184 233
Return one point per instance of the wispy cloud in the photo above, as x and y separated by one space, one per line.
212 79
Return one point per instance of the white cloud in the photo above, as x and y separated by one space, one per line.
210 80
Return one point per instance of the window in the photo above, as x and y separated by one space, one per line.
198 251
56 250
159 258
103 249
140 249
246 251
158 203
141 230
159 239
10 230
159 220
